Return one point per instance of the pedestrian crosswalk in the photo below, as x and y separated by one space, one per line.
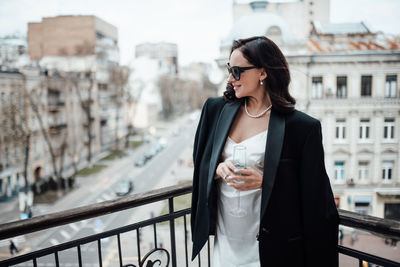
74 227
54 242
105 196
65 234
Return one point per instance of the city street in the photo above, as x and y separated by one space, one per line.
167 168
159 172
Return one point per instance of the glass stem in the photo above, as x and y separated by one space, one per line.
238 199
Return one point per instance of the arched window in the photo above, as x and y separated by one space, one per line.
275 34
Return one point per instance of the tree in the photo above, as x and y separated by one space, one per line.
183 95
133 97
118 81
16 114
84 90
169 86
38 106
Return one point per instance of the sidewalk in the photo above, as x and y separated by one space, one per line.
10 209
84 186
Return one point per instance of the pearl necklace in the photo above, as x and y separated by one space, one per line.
257 115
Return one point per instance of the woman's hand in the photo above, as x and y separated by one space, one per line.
245 179
225 169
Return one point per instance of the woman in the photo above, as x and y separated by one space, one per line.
290 217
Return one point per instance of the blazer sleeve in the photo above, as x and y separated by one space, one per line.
320 216
198 149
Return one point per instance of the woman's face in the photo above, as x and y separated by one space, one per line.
249 83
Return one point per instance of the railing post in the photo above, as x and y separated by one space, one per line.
99 252
79 256
138 247
186 238
172 231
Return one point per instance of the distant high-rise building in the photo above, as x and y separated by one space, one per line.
13 51
72 36
165 53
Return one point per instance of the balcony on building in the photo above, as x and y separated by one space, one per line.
57 128
55 99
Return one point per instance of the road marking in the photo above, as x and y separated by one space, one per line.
84 222
54 242
106 196
74 226
65 234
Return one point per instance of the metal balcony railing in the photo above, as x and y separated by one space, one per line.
159 255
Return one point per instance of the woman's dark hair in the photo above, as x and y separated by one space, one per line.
264 53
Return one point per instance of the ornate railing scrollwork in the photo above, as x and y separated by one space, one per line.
152 262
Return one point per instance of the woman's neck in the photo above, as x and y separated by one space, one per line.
258 103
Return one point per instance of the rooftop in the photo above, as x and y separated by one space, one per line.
340 28
339 37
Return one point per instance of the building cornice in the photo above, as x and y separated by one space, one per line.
368 56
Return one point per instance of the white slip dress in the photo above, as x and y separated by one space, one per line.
235 238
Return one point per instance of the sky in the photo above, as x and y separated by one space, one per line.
196 26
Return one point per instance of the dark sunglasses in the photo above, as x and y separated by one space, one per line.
235 70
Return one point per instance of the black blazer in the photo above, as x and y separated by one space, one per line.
299 219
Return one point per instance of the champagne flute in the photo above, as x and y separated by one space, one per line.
239 160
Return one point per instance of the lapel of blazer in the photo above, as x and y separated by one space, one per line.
276 132
224 123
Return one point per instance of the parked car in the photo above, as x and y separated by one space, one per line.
150 154
158 148
124 187
140 162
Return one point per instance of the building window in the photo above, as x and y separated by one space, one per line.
388 129
366 85
340 129
35 148
387 170
362 204
391 86
341 85
5 128
364 129
339 171
21 101
3 99
8 161
316 87
392 211
16 153
275 34
363 169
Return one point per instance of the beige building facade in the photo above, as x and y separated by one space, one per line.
347 77
60 119
85 44
69 36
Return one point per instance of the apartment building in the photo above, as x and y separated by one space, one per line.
346 76
83 44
